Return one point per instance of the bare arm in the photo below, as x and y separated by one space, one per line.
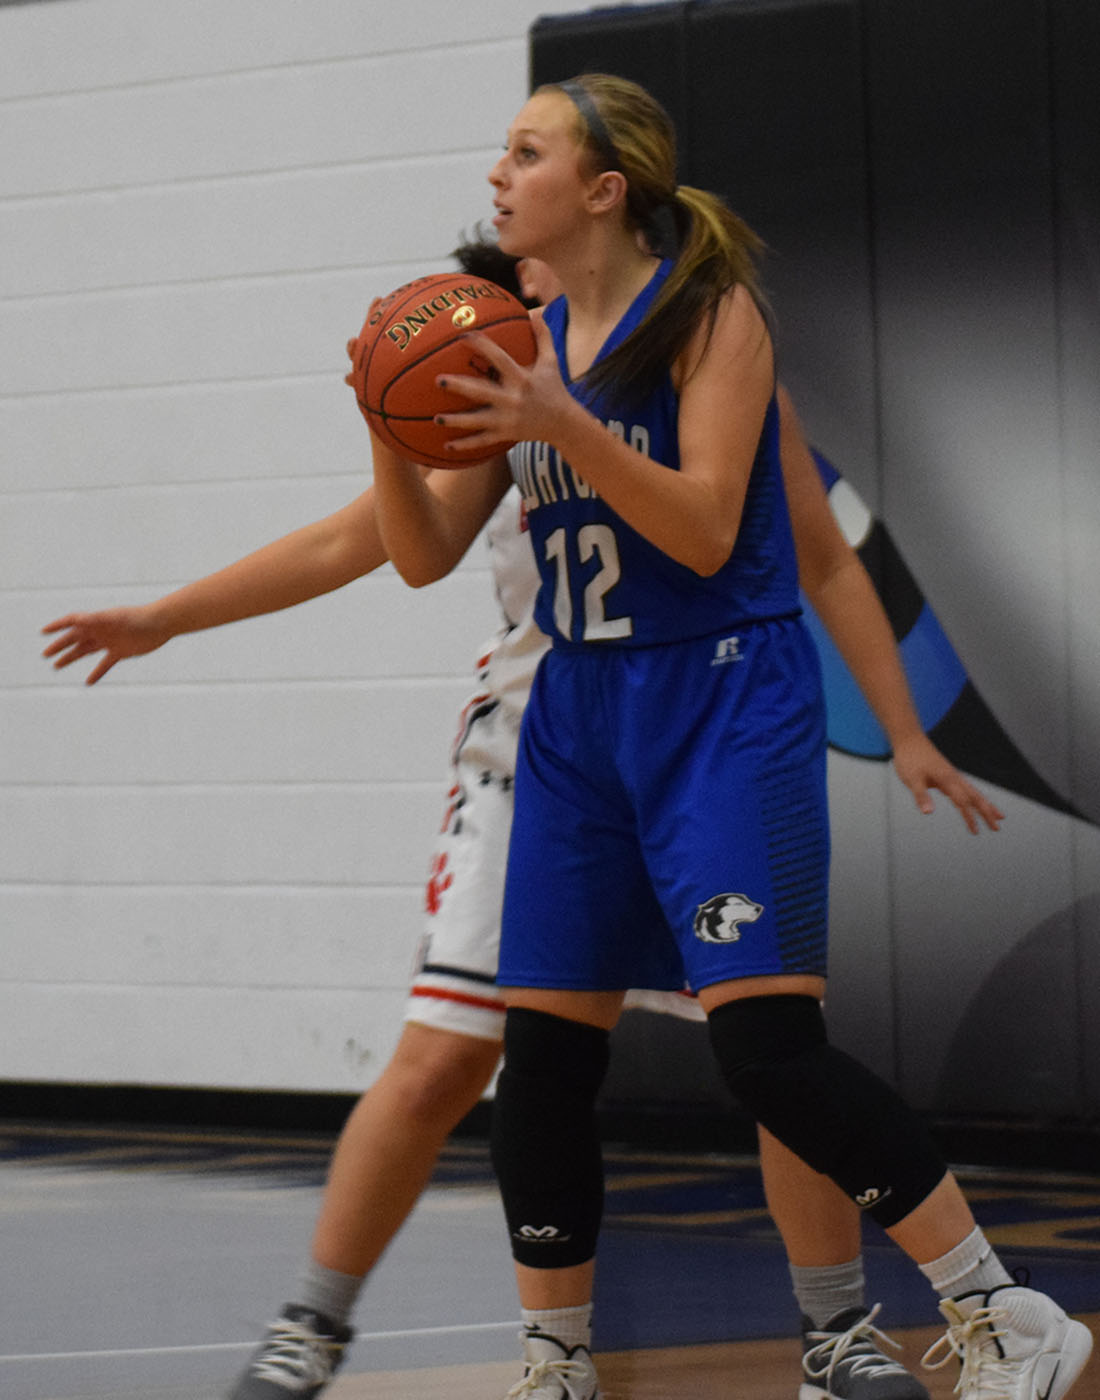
845 599
429 518
316 559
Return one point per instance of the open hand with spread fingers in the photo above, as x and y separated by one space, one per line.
920 765
117 632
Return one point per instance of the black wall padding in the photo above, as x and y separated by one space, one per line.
1075 65
927 177
647 43
777 127
767 97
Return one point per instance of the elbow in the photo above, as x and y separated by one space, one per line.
707 568
425 564
418 575
711 554
419 565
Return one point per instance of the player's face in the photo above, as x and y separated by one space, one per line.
538 184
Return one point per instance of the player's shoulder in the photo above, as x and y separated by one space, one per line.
739 322
733 331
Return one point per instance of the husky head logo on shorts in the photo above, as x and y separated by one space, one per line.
719 920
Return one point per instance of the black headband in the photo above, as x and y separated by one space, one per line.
601 137
659 222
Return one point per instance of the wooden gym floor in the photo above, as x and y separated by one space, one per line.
144 1263
760 1370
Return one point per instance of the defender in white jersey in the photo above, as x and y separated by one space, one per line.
454 987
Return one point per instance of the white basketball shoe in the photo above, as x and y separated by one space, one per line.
1013 1344
555 1372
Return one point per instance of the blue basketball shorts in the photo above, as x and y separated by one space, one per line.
671 819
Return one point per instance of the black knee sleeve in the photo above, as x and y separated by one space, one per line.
827 1108
545 1146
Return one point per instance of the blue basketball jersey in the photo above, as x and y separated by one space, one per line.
671 817
601 581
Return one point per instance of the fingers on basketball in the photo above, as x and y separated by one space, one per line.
418 333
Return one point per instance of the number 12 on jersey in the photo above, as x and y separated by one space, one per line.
594 542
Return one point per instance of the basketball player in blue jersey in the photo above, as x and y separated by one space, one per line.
448 1049
670 798
454 1018
449 1046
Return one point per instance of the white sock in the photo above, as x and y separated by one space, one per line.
971 1267
570 1326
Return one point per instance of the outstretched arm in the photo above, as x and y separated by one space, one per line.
310 561
845 599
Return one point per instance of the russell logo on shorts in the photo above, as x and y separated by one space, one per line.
726 650
719 920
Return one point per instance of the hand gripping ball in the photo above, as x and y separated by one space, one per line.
414 335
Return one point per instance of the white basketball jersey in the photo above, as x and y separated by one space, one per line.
508 662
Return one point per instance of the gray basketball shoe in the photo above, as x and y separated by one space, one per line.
845 1361
296 1360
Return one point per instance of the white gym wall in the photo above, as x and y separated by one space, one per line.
212 863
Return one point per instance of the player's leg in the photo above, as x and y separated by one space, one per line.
390 1143
750 829
752 934
822 1235
579 913
451 1041
850 1125
844 1352
382 1162
820 1226
444 1060
546 1153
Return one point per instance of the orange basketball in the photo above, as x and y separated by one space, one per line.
414 335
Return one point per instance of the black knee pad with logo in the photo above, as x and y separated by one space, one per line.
826 1107
545 1145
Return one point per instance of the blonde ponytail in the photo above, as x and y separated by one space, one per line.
621 126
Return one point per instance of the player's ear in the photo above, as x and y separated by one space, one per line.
606 191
